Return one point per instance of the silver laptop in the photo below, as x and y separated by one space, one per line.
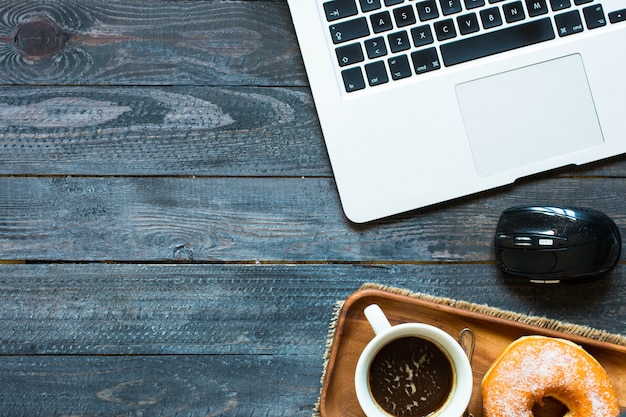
424 101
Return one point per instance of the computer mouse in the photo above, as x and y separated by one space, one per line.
556 244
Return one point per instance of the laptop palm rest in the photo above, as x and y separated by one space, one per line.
528 115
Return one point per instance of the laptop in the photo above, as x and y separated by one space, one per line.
424 101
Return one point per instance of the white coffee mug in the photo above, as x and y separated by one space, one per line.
456 401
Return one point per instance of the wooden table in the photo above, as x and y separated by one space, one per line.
171 240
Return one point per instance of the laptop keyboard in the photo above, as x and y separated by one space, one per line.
381 41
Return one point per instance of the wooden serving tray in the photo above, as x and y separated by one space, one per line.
493 334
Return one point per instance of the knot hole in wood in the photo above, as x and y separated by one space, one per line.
38 39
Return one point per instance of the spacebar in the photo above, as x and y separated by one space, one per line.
498 41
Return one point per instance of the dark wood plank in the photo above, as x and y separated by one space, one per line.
256 219
199 385
142 42
169 131
135 309
160 131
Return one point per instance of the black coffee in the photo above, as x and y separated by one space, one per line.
410 376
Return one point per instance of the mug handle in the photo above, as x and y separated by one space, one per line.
376 318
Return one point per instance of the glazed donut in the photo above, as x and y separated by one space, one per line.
534 367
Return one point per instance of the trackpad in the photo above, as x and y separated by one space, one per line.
529 115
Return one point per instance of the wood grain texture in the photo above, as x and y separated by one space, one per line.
156 43
219 340
217 309
262 219
188 131
223 340
164 385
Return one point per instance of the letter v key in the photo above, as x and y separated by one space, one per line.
468 23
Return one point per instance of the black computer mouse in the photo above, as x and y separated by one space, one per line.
556 244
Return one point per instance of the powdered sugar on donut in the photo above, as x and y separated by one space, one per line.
536 367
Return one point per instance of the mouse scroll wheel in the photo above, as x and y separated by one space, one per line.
523 241
531 242
528 241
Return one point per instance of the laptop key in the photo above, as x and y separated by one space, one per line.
369 5
399 41
381 22
468 23
557 5
349 54
536 7
594 16
350 30
399 67
375 47
404 16
472 4
427 10
491 17
425 60
376 73
444 29
498 41
617 16
353 79
422 35
513 12
338 9
568 23
450 6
